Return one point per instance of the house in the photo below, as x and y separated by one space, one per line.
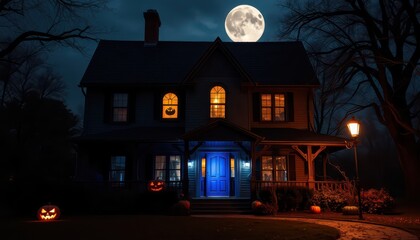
213 119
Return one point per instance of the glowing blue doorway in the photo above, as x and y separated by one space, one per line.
218 178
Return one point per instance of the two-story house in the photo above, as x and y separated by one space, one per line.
215 119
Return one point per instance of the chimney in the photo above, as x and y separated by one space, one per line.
151 28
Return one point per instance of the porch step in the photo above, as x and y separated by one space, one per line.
220 206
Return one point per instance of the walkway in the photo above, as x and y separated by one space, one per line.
349 230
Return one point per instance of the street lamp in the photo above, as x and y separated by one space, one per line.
354 127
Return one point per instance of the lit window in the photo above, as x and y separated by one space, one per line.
120 107
173 171
170 106
232 167
273 107
117 171
217 102
203 167
274 170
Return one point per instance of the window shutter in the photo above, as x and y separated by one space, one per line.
290 107
131 107
256 107
107 108
292 168
157 106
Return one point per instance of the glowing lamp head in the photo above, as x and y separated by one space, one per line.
354 127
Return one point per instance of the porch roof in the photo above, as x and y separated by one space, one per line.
140 134
292 136
221 130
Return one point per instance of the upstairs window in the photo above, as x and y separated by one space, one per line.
217 102
170 106
120 107
273 107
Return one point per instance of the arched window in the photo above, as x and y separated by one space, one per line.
170 106
217 102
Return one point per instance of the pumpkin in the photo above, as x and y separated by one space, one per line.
156 185
256 204
350 210
315 209
48 213
170 111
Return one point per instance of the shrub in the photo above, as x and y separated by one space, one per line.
331 199
288 198
377 201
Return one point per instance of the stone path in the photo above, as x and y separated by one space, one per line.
349 230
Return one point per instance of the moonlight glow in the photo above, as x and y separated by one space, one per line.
244 23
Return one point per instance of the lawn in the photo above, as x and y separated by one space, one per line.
163 227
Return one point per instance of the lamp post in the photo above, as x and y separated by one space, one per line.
354 127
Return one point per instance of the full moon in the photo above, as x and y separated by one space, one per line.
244 23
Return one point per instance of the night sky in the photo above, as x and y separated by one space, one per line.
182 20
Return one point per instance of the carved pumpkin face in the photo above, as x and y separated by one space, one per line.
156 185
170 111
48 212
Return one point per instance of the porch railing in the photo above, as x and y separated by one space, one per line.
316 185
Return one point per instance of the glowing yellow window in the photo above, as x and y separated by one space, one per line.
217 102
170 106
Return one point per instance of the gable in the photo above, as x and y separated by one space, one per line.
217 65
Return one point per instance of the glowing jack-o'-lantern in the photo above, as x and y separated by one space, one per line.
156 185
48 212
170 111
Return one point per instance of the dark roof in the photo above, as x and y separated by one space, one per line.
169 62
149 134
289 136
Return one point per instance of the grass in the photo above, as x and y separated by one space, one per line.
164 227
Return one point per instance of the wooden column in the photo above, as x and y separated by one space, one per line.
311 172
185 180
324 165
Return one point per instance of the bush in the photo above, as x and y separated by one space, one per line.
331 199
265 209
288 198
377 201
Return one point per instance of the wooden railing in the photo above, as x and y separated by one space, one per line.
316 185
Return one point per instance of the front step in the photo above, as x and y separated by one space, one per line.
220 206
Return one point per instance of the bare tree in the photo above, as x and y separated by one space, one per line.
43 22
374 49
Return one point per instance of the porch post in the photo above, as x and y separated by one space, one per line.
311 179
253 172
185 180
324 164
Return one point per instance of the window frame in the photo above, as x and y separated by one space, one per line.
215 105
168 168
275 174
272 107
115 171
169 105
124 106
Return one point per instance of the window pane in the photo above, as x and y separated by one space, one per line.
160 175
175 175
281 168
120 115
279 100
203 167
266 114
160 168
232 167
120 100
175 162
266 100
279 114
117 170
267 163
217 111
267 176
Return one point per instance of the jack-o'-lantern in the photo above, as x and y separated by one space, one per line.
170 111
156 185
48 212
315 209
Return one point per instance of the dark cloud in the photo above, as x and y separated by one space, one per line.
182 20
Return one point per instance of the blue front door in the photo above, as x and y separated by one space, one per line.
218 178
